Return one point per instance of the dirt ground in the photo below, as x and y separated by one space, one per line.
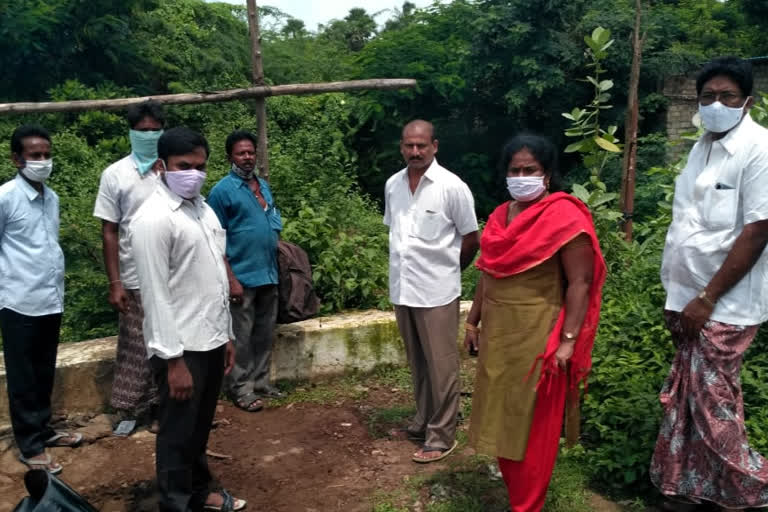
300 457
324 449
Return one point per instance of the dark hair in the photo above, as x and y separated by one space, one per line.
180 141
542 149
738 70
24 131
238 135
139 111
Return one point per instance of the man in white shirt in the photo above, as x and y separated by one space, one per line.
124 186
714 270
31 296
432 238
179 246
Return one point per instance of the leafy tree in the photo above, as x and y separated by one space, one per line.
356 29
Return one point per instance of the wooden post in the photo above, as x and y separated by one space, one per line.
629 167
257 76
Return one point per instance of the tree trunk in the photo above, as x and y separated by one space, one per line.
629 167
262 155
208 97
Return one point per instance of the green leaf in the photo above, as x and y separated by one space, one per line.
605 85
607 145
580 192
576 146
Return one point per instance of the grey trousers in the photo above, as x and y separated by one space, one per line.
253 321
431 344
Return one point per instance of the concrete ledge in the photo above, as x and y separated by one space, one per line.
304 350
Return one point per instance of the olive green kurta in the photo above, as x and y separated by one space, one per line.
517 316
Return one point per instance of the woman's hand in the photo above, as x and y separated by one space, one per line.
564 353
471 341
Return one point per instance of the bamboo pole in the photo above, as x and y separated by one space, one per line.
208 97
629 167
257 72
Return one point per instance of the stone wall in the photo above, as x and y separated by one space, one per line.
304 350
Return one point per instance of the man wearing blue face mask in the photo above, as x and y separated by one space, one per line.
179 249
714 269
31 296
124 186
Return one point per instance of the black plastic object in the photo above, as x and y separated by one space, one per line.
49 494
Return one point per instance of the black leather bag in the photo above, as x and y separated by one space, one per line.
49 494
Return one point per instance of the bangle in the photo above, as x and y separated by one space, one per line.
115 281
471 327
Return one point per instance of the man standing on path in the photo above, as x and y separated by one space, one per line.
31 296
244 205
714 270
178 246
432 238
124 187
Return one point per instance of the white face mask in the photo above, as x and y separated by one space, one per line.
525 188
38 170
718 118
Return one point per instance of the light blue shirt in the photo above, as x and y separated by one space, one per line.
31 260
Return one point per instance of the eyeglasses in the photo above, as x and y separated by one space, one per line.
725 97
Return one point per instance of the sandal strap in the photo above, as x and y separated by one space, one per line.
229 502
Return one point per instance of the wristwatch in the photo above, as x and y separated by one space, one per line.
703 296
569 336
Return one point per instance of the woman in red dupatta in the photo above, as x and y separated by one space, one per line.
533 320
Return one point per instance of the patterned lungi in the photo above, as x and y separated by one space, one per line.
702 452
133 388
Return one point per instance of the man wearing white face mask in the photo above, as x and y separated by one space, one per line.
123 188
432 238
714 269
179 246
31 296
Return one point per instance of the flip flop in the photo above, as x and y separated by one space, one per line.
443 454
231 504
249 403
47 464
57 439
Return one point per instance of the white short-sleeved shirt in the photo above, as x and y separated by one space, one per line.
179 246
122 190
723 187
425 232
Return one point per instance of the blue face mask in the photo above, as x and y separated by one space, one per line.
144 148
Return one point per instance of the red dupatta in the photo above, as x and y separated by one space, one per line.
534 236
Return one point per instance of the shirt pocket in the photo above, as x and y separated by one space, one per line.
719 208
429 224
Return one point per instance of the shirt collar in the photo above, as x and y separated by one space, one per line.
174 200
241 182
28 189
431 172
735 138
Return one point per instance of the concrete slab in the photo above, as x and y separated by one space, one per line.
304 350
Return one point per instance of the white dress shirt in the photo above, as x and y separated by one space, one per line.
425 232
723 187
31 260
178 246
122 190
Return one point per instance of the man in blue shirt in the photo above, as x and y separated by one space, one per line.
31 296
246 210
